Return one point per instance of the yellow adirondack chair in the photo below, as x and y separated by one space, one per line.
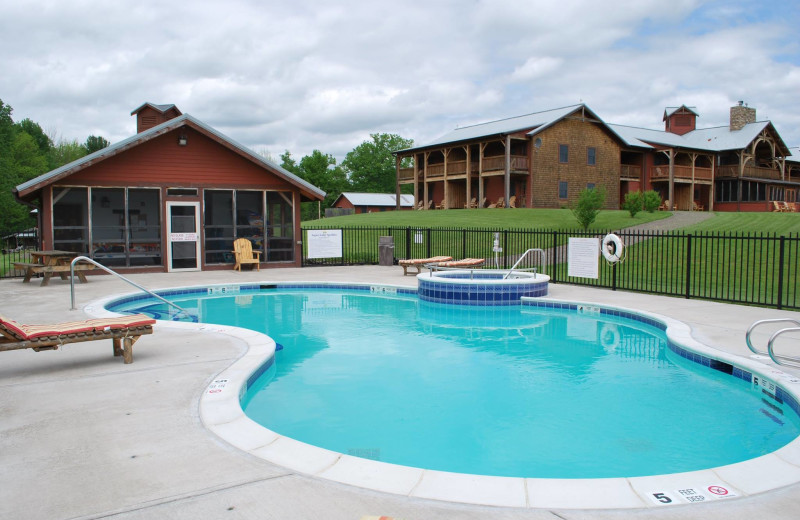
243 253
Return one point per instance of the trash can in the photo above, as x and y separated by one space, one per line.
386 250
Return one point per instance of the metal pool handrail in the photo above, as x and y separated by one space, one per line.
791 361
106 269
769 351
542 260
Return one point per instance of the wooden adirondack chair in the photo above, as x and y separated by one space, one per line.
243 253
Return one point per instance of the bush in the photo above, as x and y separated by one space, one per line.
634 200
652 200
589 203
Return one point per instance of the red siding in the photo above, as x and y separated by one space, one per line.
162 162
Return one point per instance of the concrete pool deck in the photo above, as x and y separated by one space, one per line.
85 436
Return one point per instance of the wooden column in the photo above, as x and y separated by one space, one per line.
416 180
481 196
425 179
711 191
397 186
507 171
671 192
445 201
691 193
469 179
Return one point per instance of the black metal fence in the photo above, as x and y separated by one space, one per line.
15 246
753 269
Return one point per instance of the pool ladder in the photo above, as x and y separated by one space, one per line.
106 269
779 360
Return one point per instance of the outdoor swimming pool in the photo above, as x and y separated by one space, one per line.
527 391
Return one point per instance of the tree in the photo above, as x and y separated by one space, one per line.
65 152
320 170
590 201
94 143
35 131
371 165
652 200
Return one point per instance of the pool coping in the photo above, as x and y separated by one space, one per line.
221 413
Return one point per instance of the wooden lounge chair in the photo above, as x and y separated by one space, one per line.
512 202
466 262
123 331
243 253
471 204
697 207
664 206
419 262
501 203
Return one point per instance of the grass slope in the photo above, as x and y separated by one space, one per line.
499 219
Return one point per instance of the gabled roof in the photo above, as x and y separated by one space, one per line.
716 139
26 188
159 108
529 123
671 110
376 199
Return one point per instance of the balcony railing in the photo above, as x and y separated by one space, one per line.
757 172
630 171
681 172
406 174
519 163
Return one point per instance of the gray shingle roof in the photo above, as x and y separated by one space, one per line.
378 199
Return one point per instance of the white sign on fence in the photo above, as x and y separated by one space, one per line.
324 243
583 256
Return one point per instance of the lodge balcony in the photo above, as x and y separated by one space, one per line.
682 174
630 172
458 169
752 172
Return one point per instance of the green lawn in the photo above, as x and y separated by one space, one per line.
518 218
778 223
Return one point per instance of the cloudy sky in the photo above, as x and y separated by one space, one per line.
324 75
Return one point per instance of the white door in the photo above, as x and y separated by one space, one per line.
183 237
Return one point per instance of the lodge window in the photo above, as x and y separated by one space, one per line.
231 214
123 225
754 191
589 185
562 189
591 156
563 153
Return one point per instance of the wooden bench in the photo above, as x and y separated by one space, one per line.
49 270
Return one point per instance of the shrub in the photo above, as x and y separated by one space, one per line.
634 201
588 206
652 200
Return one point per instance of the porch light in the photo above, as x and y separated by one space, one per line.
182 140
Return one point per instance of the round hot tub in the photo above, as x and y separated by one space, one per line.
481 287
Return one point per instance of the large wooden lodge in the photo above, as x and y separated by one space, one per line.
545 159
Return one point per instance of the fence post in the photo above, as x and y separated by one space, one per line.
614 276
408 243
688 265
554 257
781 258
428 244
302 248
505 249
463 243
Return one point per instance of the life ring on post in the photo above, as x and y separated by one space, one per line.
612 248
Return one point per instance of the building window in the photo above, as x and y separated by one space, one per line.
591 156
563 153
562 189
589 185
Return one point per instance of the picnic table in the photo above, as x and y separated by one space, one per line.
52 262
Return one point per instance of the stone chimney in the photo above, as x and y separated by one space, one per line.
741 115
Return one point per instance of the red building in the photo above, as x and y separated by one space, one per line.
173 197
372 202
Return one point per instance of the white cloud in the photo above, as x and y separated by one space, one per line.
308 75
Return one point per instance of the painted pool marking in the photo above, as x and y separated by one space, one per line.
692 495
217 386
382 289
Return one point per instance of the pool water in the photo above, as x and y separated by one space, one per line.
504 390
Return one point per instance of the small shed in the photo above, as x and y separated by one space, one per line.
372 202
